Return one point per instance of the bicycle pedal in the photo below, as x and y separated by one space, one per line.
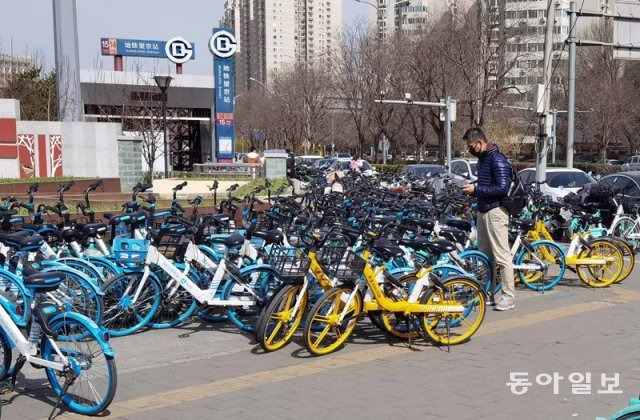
6 388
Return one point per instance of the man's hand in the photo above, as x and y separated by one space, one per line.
469 189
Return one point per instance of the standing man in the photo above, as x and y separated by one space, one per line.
291 163
494 179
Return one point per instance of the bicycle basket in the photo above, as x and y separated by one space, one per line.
330 256
341 264
130 251
289 262
172 247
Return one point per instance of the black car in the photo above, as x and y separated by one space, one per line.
627 184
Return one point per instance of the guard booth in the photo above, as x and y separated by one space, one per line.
275 162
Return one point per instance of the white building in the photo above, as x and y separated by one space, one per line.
524 26
13 65
411 16
273 35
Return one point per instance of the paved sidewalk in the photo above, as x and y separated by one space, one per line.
212 371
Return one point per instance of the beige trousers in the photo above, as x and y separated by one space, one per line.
493 240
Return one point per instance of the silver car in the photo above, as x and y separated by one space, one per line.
632 164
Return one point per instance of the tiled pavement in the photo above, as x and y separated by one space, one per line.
212 372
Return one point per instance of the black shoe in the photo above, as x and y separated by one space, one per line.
489 300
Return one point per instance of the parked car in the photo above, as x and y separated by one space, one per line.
323 164
343 165
307 160
631 164
423 170
560 181
342 155
465 169
627 183
613 162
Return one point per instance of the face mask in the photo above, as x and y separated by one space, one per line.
473 152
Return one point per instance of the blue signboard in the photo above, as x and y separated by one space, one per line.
136 48
224 90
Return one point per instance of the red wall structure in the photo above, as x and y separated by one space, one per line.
37 154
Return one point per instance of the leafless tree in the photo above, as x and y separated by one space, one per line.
603 88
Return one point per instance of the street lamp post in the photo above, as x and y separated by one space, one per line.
163 83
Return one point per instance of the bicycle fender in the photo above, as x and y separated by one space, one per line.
64 269
100 334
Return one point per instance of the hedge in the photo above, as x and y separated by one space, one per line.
388 167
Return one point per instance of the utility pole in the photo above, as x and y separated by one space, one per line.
545 122
571 105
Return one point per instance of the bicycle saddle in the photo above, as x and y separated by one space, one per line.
42 282
37 228
440 246
13 239
71 235
172 230
454 234
230 241
459 224
270 236
387 249
525 225
93 229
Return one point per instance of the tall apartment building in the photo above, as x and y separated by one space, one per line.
13 65
273 35
411 16
524 26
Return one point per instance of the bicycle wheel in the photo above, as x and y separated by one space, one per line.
451 329
95 381
174 310
85 267
549 274
77 293
397 324
629 259
121 315
277 323
5 357
601 275
627 229
323 332
15 296
478 266
263 284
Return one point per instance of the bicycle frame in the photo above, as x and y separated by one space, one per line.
29 348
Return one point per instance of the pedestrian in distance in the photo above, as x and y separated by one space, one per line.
356 164
494 180
252 156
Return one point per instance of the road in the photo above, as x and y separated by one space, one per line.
205 371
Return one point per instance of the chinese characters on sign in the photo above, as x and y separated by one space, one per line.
519 382
224 106
135 47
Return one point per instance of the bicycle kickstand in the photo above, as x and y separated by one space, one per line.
447 321
70 379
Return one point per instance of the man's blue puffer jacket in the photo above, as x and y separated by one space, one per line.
494 179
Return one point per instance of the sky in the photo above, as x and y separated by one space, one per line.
26 28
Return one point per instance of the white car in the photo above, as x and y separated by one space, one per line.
560 181
465 169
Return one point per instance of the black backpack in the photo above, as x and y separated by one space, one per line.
516 198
